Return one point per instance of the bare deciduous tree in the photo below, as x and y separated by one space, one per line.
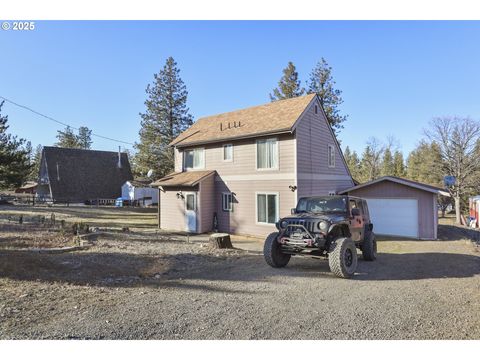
458 139
372 159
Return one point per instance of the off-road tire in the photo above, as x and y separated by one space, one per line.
272 252
369 247
342 257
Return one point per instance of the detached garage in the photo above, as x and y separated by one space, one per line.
401 207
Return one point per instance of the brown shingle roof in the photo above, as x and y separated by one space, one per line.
187 178
274 117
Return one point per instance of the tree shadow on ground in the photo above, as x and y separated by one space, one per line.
208 271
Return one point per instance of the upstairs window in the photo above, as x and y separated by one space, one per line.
331 156
194 159
228 152
267 154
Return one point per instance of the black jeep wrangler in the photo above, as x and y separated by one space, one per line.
328 227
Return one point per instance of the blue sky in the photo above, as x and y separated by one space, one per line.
395 76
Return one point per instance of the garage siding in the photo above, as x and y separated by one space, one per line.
426 203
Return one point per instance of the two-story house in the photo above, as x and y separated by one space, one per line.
243 170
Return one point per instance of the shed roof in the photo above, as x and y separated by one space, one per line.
275 117
79 175
187 178
398 180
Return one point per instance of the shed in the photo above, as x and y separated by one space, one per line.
401 207
139 192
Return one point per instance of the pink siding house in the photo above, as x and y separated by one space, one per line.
239 172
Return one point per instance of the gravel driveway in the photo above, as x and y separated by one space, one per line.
134 287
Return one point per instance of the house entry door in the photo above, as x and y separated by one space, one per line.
191 212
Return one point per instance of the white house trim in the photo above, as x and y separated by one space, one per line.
253 177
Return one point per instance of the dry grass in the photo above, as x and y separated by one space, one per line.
104 217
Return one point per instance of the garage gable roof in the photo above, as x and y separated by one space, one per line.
402 181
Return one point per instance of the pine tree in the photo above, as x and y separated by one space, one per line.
321 82
353 163
84 137
388 167
166 116
67 139
370 165
14 160
424 164
289 85
398 164
35 159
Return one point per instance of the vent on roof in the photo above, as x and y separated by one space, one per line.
229 125
316 109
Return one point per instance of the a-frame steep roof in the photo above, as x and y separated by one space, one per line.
77 175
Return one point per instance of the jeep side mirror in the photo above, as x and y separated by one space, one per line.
293 211
355 212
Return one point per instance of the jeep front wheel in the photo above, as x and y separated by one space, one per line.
342 257
369 247
273 253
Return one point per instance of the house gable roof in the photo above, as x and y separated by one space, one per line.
398 180
271 118
79 175
187 178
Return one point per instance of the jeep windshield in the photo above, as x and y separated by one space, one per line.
322 205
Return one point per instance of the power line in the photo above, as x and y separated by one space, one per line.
61 123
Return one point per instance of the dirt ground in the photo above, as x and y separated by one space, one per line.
143 285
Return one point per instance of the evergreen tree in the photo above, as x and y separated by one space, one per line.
370 165
353 163
14 157
166 116
321 82
67 139
388 168
84 137
398 164
424 164
289 85
35 159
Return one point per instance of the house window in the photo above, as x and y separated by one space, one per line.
227 202
331 193
267 208
331 156
228 152
267 154
316 109
194 159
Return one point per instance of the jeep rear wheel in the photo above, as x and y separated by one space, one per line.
273 252
369 247
342 257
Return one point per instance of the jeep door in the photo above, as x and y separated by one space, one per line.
356 222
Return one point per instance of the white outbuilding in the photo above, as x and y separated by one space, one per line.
139 193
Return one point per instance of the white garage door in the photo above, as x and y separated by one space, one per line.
394 216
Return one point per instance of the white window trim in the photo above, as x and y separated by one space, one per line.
332 193
193 168
223 202
328 155
223 153
256 154
277 207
